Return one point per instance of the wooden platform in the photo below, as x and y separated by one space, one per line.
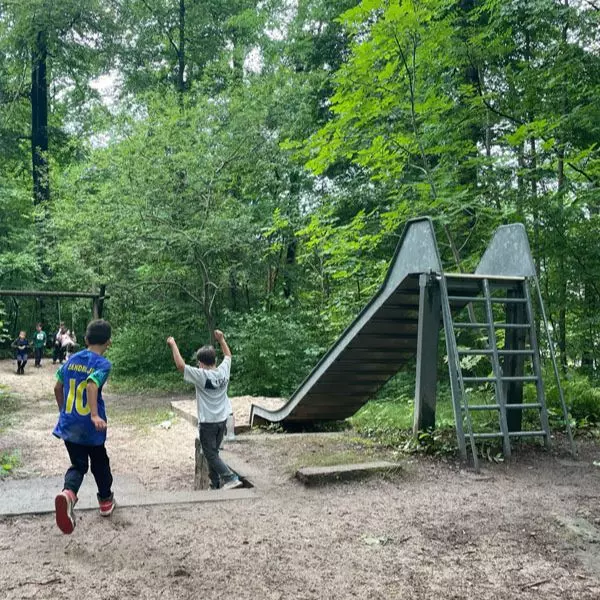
323 475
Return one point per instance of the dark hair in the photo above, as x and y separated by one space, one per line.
38 324
98 332
207 355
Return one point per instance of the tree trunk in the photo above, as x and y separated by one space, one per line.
181 52
562 272
290 260
39 120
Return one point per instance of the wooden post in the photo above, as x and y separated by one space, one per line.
101 300
201 479
427 353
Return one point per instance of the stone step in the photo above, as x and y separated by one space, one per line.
323 475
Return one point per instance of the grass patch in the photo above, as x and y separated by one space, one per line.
339 451
388 424
322 458
142 418
9 461
171 381
390 420
9 405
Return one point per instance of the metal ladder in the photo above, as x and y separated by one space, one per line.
477 289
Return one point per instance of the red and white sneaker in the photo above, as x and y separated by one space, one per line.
107 506
64 504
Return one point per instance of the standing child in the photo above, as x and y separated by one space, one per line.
57 351
82 423
68 343
21 345
39 343
213 406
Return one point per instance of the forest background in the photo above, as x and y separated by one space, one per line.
250 166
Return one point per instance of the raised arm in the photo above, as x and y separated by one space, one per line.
179 362
221 339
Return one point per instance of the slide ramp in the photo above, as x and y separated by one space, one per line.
381 339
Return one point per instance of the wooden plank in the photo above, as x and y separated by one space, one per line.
332 474
46 293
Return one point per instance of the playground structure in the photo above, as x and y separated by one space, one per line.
403 321
97 298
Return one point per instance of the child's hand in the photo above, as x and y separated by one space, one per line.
218 335
99 423
170 340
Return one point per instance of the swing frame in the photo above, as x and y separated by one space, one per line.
97 298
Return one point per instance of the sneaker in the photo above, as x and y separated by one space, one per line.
64 504
233 483
107 506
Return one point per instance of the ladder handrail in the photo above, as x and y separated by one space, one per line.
555 367
459 396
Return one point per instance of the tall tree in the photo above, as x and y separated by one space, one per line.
61 45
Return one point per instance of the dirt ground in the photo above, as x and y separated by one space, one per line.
527 529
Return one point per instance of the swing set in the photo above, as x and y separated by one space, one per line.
97 298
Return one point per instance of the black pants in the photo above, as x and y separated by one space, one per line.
58 353
211 436
37 353
21 362
100 467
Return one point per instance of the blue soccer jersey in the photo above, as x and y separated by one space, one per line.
74 422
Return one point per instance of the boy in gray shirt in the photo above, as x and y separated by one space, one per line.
213 405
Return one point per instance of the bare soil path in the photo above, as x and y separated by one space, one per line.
528 529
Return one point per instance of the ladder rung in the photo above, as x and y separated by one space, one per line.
463 325
507 406
487 352
466 298
491 436
515 300
522 378
496 299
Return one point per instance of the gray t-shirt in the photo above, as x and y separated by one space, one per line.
211 391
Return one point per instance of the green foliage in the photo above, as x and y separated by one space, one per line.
139 347
582 398
9 461
272 353
389 419
188 193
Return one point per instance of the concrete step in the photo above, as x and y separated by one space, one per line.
323 475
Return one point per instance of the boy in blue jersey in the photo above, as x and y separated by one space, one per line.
82 423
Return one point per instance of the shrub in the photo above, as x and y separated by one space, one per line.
273 351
